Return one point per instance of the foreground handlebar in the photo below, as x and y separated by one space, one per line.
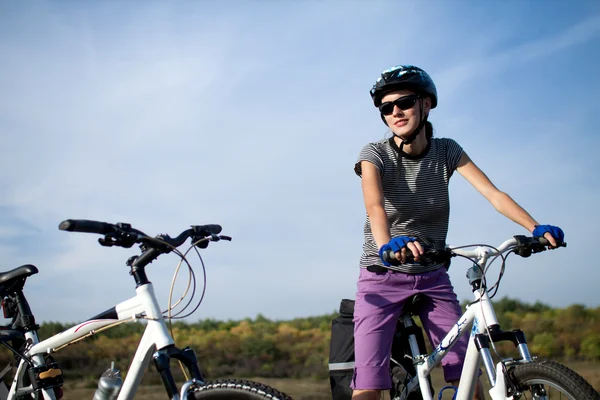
429 257
524 246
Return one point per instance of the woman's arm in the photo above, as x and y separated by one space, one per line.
500 200
373 197
374 203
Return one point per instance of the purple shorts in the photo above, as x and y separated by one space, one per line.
379 301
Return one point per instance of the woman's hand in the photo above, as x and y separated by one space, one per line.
552 233
399 245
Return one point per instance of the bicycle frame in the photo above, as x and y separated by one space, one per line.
156 340
478 316
156 337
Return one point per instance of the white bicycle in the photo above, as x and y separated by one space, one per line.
39 376
523 378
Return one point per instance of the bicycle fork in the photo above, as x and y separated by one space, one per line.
482 338
186 356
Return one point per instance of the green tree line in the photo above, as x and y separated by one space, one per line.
299 348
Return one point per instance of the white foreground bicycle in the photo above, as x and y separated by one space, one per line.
523 378
38 375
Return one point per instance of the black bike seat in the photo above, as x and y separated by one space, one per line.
14 279
414 303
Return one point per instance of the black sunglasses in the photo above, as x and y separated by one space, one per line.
403 103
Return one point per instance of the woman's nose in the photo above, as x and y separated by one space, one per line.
397 111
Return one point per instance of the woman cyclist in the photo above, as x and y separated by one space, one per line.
405 189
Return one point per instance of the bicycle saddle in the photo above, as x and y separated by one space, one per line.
413 304
14 280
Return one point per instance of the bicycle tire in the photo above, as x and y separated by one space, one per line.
534 377
236 389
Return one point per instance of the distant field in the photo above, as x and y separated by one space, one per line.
306 389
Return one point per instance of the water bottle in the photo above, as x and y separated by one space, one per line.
109 384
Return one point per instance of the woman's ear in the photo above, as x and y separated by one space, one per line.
427 104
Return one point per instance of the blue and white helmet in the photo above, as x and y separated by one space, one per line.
404 77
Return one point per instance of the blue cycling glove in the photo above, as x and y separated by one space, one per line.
555 231
395 245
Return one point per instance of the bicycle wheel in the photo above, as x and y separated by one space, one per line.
236 389
548 380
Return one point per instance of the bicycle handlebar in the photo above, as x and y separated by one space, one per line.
123 235
429 256
524 246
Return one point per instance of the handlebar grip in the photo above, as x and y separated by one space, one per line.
544 242
430 256
389 256
87 226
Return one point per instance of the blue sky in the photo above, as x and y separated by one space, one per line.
251 115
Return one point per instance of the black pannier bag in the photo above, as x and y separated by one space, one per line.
341 352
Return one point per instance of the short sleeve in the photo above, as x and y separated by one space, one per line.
371 154
453 154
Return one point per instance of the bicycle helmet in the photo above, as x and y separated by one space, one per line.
411 78
404 77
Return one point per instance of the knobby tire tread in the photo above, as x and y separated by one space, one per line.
236 389
562 376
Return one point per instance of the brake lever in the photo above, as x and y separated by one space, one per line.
216 238
120 239
107 241
203 241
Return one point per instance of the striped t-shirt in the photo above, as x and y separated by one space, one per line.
416 197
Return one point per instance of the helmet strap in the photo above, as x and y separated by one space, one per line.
407 140
399 163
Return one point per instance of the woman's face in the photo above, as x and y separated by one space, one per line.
404 116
